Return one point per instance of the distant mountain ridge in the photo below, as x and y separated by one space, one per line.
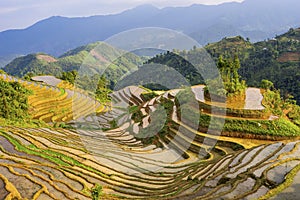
255 19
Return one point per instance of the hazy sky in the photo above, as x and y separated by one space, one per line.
23 13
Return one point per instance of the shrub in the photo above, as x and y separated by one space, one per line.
96 192
13 100
266 84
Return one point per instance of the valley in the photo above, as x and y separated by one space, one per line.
98 122
103 152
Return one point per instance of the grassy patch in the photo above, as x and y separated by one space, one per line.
23 123
62 92
96 192
55 157
147 96
33 150
280 127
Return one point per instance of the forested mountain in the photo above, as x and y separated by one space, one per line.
277 60
95 58
256 19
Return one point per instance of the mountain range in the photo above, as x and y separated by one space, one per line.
276 59
254 19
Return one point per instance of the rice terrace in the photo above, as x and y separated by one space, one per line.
255 157
150 114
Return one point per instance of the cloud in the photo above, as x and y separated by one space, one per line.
22 13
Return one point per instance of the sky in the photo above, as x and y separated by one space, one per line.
18 14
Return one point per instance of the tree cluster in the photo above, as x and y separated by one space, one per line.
229 73
69 76
102 91
13 100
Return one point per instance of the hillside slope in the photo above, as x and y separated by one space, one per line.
277 60
95 58
125 159
252 18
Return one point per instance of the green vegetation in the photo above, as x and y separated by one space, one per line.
96 192
28 123
136 113
241 127
63 158
33 150
273 102
24 65
185 96
98 86
147 96
275 59
279 106
266 84
160 122
93 59
14 101
2 72
229 72
28 76
229 46
233 86
294 114
102 91
69 76
177 61
280 127
53 156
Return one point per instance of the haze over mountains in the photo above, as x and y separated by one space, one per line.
255 19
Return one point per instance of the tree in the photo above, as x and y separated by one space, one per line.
28 76
69 76
13 100
221 65
230 76
266 84
102 90
235 67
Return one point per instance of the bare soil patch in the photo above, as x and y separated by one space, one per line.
46 58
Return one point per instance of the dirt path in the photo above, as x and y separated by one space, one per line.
50 80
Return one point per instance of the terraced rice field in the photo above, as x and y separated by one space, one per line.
58 101
109 149
55 164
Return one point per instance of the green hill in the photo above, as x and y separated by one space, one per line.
229 46
277 60
144 144
34 63
91 59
